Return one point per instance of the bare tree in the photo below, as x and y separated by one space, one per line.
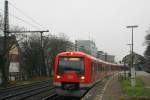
57 45
147 51
32 53
8 43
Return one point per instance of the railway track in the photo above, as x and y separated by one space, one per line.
25 91
57 97
53 96
37 91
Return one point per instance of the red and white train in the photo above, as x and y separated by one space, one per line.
76 72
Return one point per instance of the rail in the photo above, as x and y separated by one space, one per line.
25 91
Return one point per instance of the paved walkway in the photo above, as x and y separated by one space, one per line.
96 92
110 89
113 90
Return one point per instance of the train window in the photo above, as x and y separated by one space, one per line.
93 68
99 67
71 64
104 67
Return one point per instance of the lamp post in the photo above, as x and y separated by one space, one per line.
133 82
130 47
105 56
129 63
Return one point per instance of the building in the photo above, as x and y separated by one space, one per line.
14 54
14 68
111 58
86 46
104 56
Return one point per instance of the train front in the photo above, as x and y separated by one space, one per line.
69 74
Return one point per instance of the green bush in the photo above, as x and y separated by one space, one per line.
136 91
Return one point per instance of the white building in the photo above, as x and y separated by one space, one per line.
14 54
86 46
104 56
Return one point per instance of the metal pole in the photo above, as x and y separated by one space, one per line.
133 81
6 26
41 39
129 73
6 19
132 49
5 52
105 56
75 45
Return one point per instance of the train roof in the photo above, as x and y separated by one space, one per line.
78 53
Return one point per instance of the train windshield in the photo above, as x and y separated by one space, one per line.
71 64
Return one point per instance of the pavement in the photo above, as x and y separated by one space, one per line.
107 89
110 88
96 92
113 90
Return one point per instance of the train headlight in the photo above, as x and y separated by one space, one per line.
58 76
71 53
82 77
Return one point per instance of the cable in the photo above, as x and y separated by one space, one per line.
26 15
22 20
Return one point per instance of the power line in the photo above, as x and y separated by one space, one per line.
22 20
33 20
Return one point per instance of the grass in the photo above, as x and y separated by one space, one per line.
137 91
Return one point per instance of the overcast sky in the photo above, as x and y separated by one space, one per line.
103 21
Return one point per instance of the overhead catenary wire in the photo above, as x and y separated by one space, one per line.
24 21
27 16
21 20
